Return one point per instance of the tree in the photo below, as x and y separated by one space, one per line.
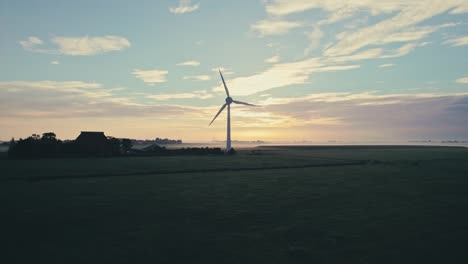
126 145
49 145
49 136
115 146
11 147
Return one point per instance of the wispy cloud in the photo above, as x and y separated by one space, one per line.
398 30
274 27
344 8
68 86
365 114
31 42
362 98
401 23
78 46
151 76
196 94
462 80
314 38
185 6
361 115
298 72
403 50
456 42
198 77
274 59
386 65
55 62
189 63
282 74
88 46
74 99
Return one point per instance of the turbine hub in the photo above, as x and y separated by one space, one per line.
228 100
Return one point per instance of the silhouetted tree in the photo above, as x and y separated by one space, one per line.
49 136
49 145
126 145
36 146
232 151
29 147
115 146
11 146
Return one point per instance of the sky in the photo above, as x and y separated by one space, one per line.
319 70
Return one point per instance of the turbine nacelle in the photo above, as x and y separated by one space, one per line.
229 100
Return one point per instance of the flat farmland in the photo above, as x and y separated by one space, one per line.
379 204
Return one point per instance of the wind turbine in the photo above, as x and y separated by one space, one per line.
228 103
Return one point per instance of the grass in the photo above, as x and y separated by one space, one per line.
388 205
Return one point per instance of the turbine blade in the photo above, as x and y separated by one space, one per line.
219 112
225 87
239 102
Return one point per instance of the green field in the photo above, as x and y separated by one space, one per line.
278 205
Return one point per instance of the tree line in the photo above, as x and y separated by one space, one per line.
49 146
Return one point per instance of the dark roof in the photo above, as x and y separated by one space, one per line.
91 136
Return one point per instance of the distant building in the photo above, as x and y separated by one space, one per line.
93 143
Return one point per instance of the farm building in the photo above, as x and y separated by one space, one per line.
93 143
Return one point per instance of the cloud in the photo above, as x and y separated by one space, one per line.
196 94
189 63
364 55
88 46
151 76
376 53
34 106
462 80
401 22
363 98
403 50
398 22
366 115
31 42
198 78
386 65
274 59
68 86
398 29
314 38
295 73
456 42
78 46
55 62
74 99
260 119
274 27
286 7
423 44
184 7
281 75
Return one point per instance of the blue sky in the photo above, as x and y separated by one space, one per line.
321 70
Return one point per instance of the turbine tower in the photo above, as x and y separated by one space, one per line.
228 103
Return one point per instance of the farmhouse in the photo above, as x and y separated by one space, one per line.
93 143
